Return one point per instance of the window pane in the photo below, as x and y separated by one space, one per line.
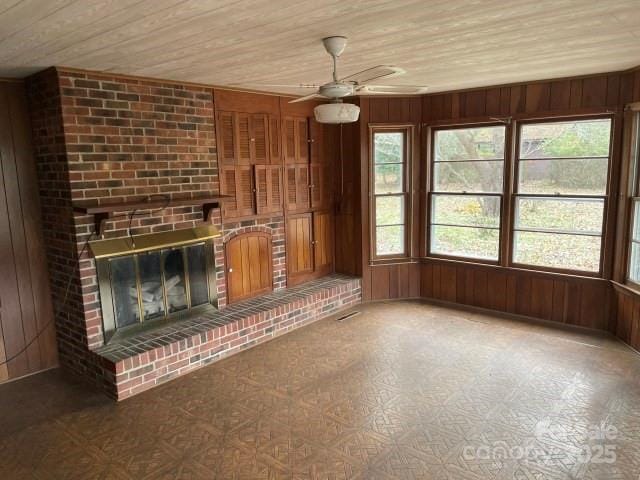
389 211
470 210
388 147
468 176
567 214
469 144
388 178
465 242
571 252
634 266
578 177
390 240
636 220
583 138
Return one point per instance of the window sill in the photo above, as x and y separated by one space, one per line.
625 288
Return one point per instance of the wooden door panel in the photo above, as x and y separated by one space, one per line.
260 142
226 133
299 247
316 141
289 144
243 138
302 140
237 182
268 184
249 265
323 242
274 140
297 187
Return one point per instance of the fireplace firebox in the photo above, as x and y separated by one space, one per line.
150 278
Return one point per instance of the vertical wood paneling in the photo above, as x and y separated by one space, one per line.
594 91
560 95
574 300
27 331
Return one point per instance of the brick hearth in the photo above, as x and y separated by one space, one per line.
146 360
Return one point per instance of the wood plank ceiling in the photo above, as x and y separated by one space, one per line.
445 44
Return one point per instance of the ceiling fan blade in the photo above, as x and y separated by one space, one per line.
306 97
391 90
374 73
272 85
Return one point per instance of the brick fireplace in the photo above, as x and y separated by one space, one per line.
104 139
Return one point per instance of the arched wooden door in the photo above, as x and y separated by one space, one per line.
249 265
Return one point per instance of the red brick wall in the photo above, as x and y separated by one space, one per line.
101 139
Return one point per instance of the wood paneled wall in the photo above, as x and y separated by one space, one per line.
562 298
26 314
344 140
625 322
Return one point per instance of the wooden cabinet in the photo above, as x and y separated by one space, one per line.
297 187
253 190
249 265
238 183
247 138
309 246
295 139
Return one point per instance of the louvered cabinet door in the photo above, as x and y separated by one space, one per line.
249 265
225 128
297 187
320 188
299 246
316 141
289 140
268 184
242 138
302 140
275 157
260 141
323 242
237 182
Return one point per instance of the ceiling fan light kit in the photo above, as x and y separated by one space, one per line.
336 112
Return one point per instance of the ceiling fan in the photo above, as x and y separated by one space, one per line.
355 84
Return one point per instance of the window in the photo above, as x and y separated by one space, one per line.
467 186
390 149
634 248
561 188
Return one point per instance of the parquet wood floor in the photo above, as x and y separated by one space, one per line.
404 391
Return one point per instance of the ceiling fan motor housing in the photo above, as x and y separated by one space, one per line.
336 90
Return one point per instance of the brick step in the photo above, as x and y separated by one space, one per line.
142 361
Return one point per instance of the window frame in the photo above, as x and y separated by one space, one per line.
431 134
633 193
515 195
408 134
